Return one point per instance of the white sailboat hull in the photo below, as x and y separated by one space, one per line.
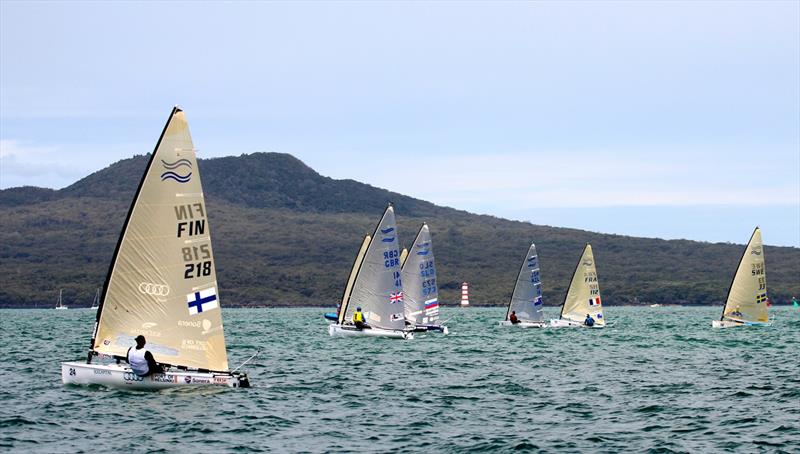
523 324
732 323
61 308
431 328
336 330
564 323
121 376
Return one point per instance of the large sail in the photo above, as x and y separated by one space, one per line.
162 282
747 297
526 299
351 280
583 296
419 280
378 288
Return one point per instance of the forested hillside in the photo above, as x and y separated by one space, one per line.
285 235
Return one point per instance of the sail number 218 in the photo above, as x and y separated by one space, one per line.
198 266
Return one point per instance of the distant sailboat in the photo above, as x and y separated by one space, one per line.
583 296
420 291
375 285
464 294
747 302
526 299
162 282
60 303
96 301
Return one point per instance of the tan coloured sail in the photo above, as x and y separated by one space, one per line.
747 298
583 296
353 273
163 282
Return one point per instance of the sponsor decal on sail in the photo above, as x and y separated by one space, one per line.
177 171
148 288
396 317
204 300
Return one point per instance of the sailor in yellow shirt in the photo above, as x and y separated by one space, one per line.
358 319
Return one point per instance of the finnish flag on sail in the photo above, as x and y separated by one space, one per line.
202 301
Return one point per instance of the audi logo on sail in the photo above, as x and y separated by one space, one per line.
148 288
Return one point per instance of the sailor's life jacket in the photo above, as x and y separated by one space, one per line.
138 362
358 317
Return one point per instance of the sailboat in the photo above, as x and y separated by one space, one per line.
375 285
526 299
747 302
96 301
161 282
583 296
420 291
60 303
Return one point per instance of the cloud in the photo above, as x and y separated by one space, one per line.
26 164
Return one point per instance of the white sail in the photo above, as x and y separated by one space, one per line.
747 297
96 300
419 280
162 282
377 287
60 302
526 299
348 290
583 296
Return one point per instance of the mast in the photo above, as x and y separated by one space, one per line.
577 266
733 279
175 110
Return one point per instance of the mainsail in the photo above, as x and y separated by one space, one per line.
377 286
419 280
162 281
747 297
526 299
583 296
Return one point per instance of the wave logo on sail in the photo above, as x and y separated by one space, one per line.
532 262
388 239
587 262
424 248
756 250
173 169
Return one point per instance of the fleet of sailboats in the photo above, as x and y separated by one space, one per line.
375 287
161 282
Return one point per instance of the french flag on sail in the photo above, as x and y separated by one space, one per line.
594 301
204 300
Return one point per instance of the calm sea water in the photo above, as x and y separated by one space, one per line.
659 380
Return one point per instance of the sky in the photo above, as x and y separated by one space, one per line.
656 119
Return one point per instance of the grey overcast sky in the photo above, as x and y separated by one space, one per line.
658 119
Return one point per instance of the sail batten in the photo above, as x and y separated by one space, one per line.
583 295
526 298
747 299
162 279
419 280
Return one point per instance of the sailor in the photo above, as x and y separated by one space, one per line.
589 320
513 318
358 319
141 360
